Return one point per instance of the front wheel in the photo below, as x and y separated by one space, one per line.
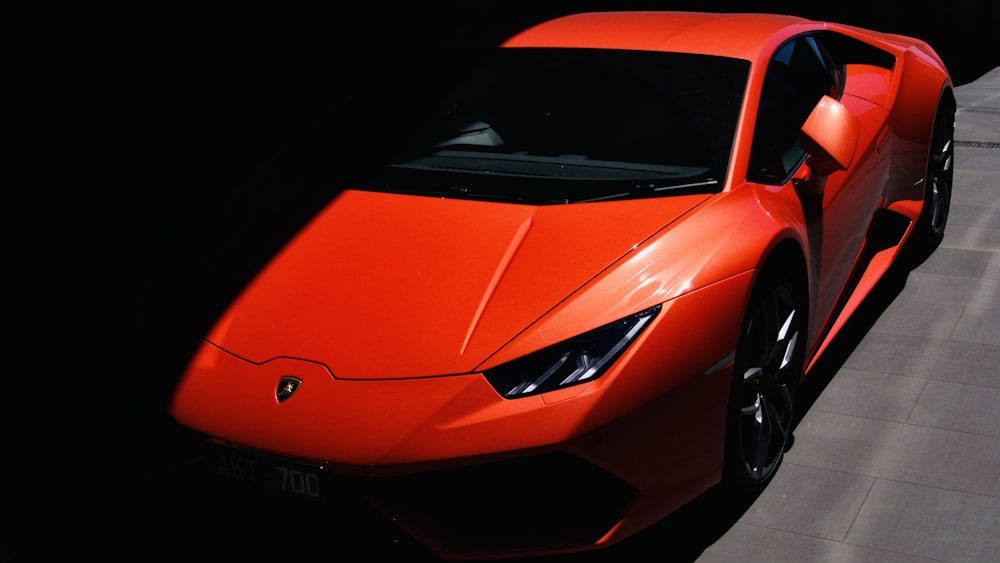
769 362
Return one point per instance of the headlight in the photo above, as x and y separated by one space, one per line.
575 361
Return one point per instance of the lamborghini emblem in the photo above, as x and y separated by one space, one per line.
286 387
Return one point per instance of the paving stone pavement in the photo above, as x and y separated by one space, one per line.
898 456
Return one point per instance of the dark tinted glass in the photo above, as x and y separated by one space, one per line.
580 124
799 74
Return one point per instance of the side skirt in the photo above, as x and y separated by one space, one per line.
885 242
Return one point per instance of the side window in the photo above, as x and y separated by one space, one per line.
799 74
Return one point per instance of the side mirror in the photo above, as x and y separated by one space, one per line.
830 136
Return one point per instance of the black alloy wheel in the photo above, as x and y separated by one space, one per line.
766 375
940 175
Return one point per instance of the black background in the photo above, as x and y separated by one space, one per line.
142 194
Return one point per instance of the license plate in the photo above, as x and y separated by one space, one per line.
271 474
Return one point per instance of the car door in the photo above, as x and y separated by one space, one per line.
839 208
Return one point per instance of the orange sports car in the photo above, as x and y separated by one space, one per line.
587 283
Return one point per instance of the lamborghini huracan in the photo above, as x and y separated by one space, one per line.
587 282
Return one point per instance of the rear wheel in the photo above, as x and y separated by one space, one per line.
938 182
767 371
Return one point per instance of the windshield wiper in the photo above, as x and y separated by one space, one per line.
654 186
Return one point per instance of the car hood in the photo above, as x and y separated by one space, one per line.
384 286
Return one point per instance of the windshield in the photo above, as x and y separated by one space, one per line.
571 125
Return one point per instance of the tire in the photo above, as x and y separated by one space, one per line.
938 181
766 374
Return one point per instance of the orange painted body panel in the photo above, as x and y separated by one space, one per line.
850 198
419 420
446 282
741 36
395 312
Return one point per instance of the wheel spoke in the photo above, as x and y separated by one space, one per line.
763 432
786 343
753 410
758 441
776 420
780 347
789 354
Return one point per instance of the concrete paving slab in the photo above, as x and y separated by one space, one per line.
993 268
979 111
981 326
979 412
961 291
974 215
879 396
962 362
919 318
929 456
929 522
745 541
812 502
957 262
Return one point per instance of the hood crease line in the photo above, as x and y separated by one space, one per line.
505 261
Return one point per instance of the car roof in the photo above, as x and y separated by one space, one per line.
739 35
